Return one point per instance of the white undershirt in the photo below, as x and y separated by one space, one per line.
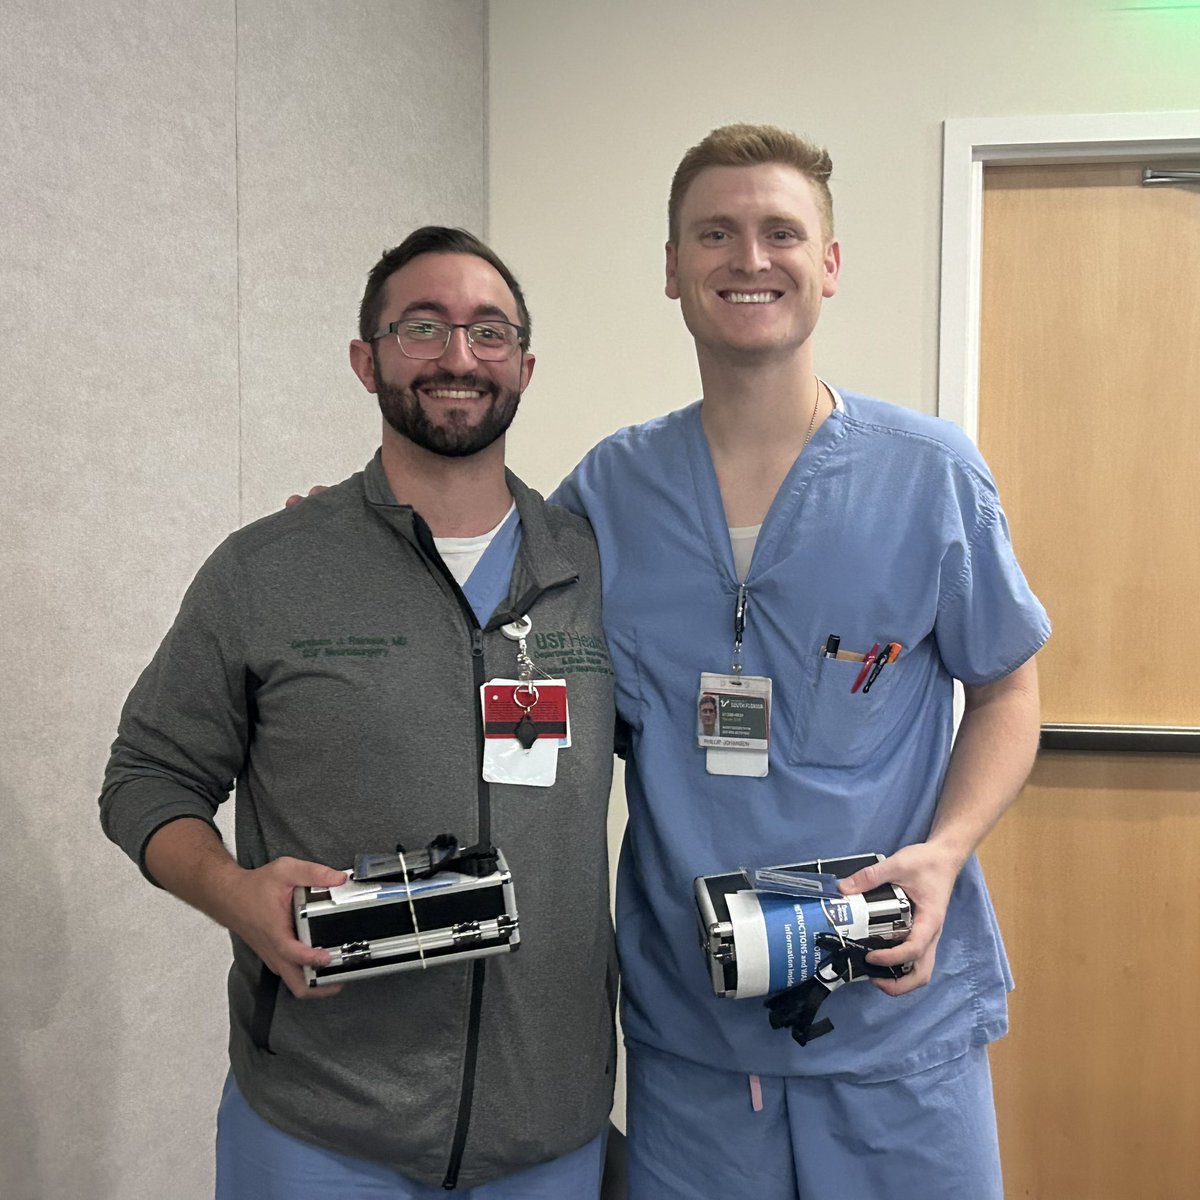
743 538
743 541
461 554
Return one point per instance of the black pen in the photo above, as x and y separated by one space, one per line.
889 654
832 642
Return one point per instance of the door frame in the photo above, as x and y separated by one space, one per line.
970 144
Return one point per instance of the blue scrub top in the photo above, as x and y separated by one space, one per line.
487 585
887 528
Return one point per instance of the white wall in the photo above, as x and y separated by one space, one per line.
591 106
192 196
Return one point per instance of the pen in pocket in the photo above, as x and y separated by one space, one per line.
832 649
868 663
888 654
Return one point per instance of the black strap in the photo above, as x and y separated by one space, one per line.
442 854
796 1007
478 860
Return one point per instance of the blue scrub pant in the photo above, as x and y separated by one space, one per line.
695 1134
256 1161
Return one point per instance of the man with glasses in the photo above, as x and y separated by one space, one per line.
332 660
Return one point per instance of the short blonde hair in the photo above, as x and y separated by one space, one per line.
745 145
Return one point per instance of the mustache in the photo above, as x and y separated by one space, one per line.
447 379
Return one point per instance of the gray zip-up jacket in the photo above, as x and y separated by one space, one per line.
325 659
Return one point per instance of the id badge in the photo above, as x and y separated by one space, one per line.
524 726
733 723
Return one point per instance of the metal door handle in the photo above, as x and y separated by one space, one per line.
1151 177
1142 739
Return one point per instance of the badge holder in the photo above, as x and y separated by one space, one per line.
733 712
525 722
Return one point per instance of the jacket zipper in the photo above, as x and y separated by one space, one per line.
470 1058
462 1122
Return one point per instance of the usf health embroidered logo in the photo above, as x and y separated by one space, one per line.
560 652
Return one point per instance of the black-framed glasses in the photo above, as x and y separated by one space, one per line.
423 337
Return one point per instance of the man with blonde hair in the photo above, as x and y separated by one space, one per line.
754 146
784 532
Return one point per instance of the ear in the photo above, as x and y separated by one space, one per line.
362 363
833 267
527 361
672 288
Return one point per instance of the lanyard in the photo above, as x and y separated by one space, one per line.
739 627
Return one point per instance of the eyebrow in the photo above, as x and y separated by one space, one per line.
482 311
769 219
785 219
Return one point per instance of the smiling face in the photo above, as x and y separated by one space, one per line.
453 405
751 264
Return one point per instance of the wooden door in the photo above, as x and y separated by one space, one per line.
1090 418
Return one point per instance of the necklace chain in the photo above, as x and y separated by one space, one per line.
813 419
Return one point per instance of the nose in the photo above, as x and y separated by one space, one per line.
457 355
751 256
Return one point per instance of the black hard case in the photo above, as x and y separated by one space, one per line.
890 912
369 936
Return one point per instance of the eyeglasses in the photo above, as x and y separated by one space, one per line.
420 337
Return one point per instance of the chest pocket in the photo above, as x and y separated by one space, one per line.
835 727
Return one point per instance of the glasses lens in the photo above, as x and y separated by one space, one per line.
493 340
423 339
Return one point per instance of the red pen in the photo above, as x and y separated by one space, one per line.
868 663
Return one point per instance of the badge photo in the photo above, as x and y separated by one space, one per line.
733 723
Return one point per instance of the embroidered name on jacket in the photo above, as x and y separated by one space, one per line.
347 647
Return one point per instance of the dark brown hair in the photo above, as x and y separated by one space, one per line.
433 239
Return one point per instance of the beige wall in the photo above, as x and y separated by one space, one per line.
591 105
192 195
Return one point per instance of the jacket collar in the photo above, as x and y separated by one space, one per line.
540 562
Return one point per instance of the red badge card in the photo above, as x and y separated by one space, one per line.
507 701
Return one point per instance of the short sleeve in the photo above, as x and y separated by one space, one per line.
989 621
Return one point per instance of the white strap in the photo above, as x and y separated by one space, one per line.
412 908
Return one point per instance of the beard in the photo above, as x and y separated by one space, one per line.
455 436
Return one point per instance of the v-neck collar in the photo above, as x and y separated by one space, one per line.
784 507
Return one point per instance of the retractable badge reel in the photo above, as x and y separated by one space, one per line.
733 711
525 694
525 721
